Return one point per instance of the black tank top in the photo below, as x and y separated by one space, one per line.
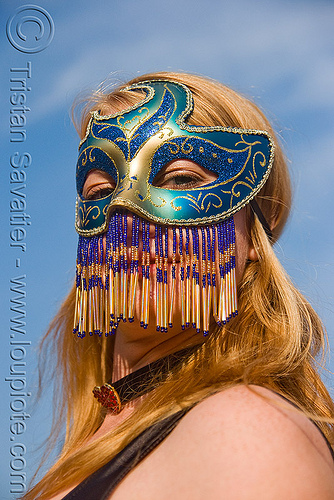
100 484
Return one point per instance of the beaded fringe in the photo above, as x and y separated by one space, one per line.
108 271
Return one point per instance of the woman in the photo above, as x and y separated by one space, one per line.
182 190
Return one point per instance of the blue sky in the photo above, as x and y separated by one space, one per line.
279 53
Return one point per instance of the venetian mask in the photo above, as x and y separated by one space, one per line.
133 146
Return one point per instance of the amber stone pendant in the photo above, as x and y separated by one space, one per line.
107 396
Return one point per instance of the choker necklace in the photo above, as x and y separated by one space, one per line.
114 396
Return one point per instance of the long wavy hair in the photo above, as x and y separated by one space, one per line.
275 341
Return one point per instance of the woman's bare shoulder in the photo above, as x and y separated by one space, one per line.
252 438
254 407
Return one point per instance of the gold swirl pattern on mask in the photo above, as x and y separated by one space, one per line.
135 121
85 156
200 205
85 214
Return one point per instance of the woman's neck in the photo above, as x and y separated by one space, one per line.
132 350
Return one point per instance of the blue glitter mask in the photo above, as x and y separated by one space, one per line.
135 144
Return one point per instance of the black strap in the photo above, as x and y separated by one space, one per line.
257 210
100 484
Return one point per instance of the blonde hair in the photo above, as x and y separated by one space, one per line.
273 342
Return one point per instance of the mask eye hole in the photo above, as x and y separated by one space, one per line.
183 174
98 184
